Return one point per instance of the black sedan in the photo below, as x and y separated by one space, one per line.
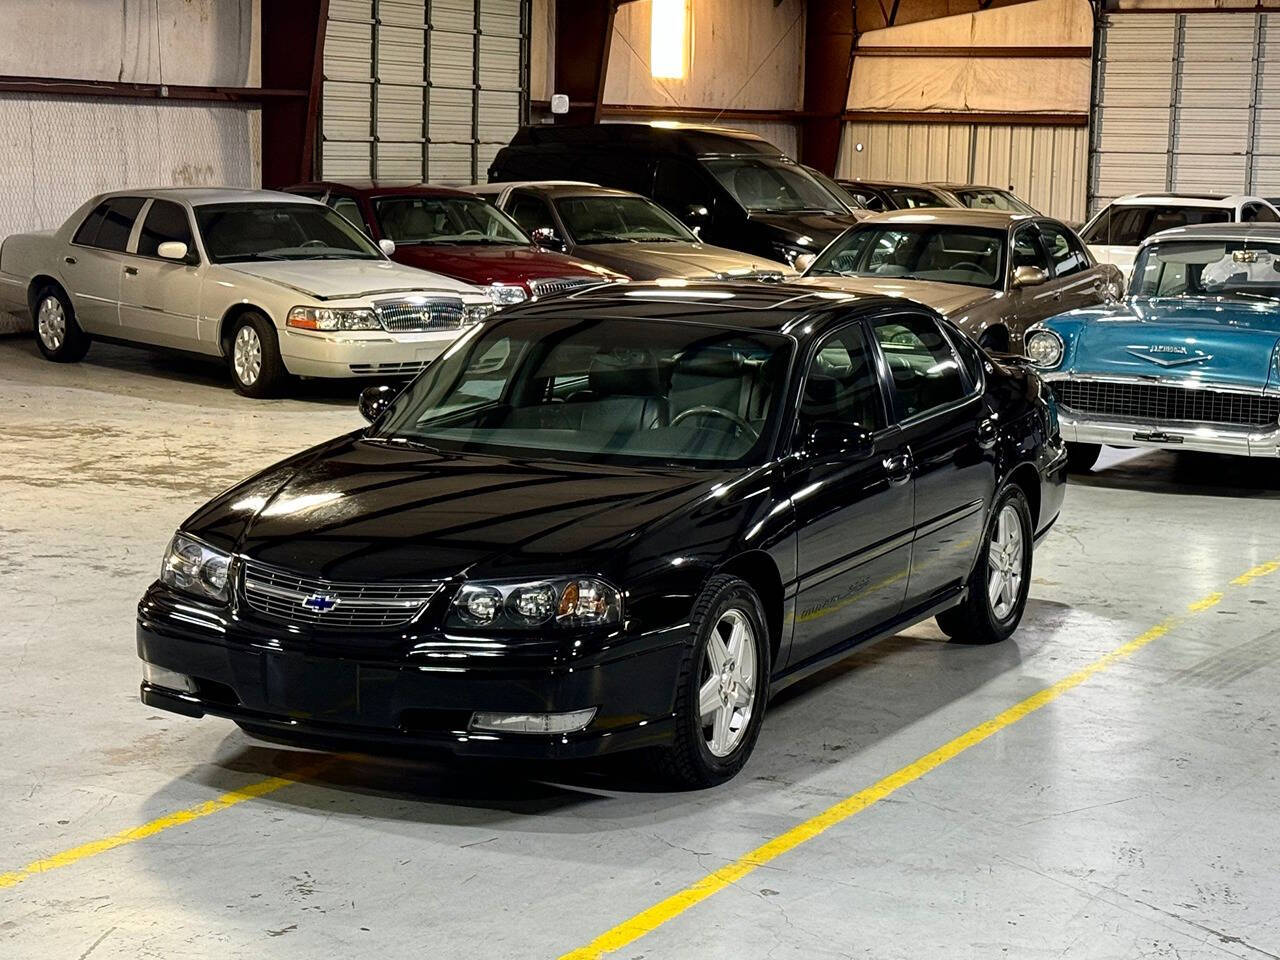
617 519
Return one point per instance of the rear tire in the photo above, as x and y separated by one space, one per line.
1081 457
58 335
253 356
1001 577
719 712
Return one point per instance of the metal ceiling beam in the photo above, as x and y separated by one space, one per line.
829 40
293 58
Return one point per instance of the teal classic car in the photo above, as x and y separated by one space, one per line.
1189 360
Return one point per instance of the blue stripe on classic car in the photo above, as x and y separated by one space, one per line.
1189 360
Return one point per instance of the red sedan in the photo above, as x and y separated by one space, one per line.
459 235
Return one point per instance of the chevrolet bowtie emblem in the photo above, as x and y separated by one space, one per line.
320 603
1168 355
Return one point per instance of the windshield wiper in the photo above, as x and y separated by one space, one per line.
1252 296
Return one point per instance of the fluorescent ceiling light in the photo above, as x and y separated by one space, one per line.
668 38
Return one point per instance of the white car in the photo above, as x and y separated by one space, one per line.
1116 231
274 283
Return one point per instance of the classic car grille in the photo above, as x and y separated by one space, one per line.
1149 401
547 286
417 316
284 596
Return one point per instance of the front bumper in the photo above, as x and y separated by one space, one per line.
1172 435
349 701
369 353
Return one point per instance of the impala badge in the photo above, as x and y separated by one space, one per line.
1167 355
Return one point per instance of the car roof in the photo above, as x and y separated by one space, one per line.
202 195
884 184
384 188
561 188
1219 231
690 138
1185 199
964 186
961 216
752 304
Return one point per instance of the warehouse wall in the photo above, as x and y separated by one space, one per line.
56 151
744 54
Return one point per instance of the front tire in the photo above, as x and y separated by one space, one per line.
1001 577
58 335
1081 457
722 686
253 356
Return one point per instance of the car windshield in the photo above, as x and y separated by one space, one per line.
946 253
988 199
1128 224
459 220
850 202
620 219
908 198
764 185
1208 268
599 390
234 232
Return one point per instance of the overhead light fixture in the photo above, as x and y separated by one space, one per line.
668 39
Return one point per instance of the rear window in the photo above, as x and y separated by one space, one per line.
1128 225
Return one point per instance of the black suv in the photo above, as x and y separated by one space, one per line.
736 189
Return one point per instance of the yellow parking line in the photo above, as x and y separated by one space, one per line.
628 931
67 857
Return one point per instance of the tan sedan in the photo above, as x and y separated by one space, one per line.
992 274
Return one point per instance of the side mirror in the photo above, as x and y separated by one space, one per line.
696 214
1029 276
546 238
172 250
804 261
387 246
374 402
832 439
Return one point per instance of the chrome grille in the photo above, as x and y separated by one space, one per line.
284 596
420 315
548 286
408 368
1156 402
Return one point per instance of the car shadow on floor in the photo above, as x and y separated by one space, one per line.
830 718
1186 473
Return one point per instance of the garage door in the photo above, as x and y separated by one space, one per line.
1187 102
421 89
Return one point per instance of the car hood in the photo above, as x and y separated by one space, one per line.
820 228
949 299
1216 340
345 279
358 509
484 265
653 261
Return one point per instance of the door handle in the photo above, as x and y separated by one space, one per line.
130 271
898 468
987 433
70 260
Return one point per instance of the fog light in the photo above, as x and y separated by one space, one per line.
533 722
170 680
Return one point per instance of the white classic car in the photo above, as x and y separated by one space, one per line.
274 283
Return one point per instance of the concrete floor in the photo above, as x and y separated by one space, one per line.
1136 816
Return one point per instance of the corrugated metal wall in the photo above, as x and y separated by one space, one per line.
1045 165
1187 102
421 89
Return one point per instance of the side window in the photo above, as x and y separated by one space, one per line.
530 212
842 383
1026 250
924 368
114 219
166 221
348 208
677 186
1064 250
1258 213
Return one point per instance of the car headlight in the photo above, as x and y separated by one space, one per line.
503 295
196 568
567 602
1044 348
333 318
475 312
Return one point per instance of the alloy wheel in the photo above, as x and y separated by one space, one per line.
727 693
1004 562
51 323
246 355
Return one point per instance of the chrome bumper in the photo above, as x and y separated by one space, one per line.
363 353
1216 438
